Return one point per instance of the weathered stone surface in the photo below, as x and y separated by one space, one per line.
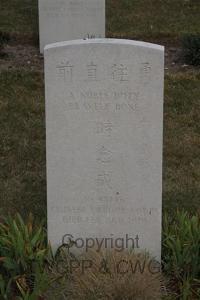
104 122
63 20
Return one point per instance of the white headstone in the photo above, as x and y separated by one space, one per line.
63 20
104 126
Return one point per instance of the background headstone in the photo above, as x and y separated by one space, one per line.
104 125
63 20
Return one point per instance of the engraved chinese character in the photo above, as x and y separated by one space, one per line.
65 71
104 179
104 155
92 71
108 126
145 72
146 67
104 127
120 73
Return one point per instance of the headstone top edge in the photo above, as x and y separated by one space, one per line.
107 41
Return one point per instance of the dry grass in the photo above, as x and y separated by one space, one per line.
115 275
181 141
22 151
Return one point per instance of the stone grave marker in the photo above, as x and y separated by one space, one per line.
104 130
63 20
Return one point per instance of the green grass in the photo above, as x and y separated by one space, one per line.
181 141
181 248
23 253
22 155
125 18
152 18
22 134
19 17
29 268
22 117
22 151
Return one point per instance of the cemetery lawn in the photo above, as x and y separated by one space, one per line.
22 151
152 18
125 18
181 184
19 17
22 134
22 124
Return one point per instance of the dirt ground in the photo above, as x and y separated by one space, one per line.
21 57
27 57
